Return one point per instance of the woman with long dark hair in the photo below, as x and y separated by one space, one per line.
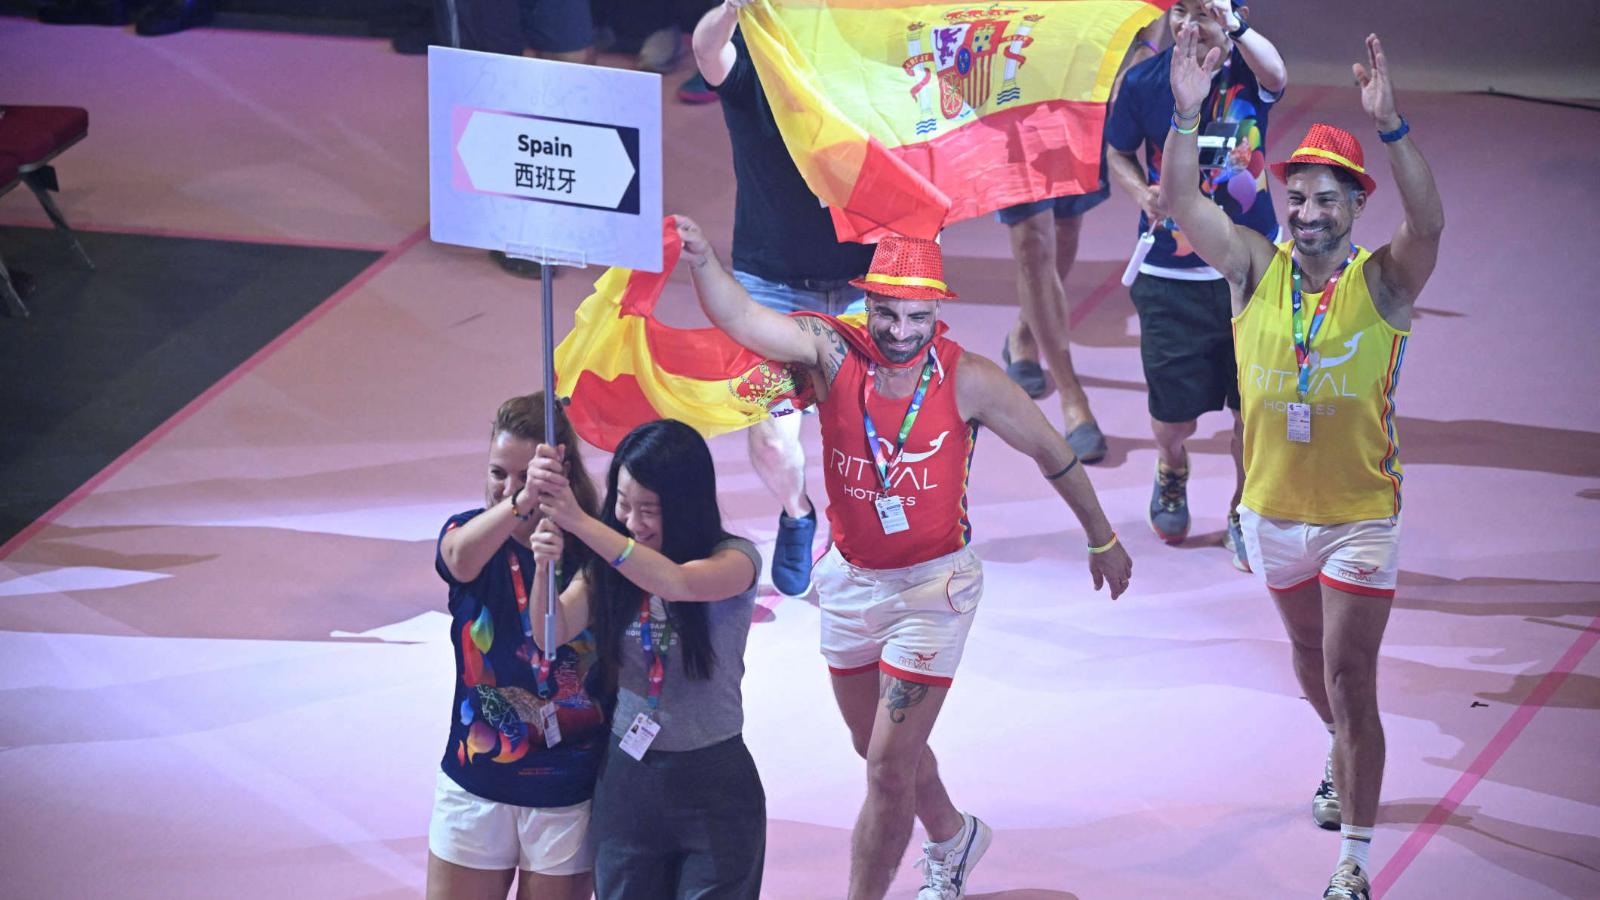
512 799
679 810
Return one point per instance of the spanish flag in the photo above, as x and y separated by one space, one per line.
619 367
904 116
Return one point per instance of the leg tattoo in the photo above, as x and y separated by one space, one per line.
898 696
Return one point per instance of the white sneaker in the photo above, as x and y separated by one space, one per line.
1349 882
1326 809
946 879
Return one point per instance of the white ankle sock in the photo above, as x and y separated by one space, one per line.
943 847
1357 841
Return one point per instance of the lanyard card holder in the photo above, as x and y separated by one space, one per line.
1217 141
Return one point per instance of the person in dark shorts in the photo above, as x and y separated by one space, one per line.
1183 305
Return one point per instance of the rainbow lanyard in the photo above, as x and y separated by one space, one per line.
655 659
543 673
1303 336
905 425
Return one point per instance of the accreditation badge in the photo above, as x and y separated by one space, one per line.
640 735
1300 423
891 514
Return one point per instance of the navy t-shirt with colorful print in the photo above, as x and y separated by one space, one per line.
1142 116
497 747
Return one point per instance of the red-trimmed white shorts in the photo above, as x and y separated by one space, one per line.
911 623
1358 557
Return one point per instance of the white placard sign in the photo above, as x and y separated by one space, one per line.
552 160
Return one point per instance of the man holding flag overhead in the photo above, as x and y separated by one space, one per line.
900 405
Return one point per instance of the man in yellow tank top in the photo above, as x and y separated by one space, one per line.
1320 329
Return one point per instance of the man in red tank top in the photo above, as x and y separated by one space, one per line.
900 406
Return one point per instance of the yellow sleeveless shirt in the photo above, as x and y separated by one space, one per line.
1350 470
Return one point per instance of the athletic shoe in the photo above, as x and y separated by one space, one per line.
662 51
1326 809
946 879
1025 372
1234 543
1088 442
1169 504
791 555
1348 883
696 92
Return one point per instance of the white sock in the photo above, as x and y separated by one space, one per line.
938 850
1357 842
1332 742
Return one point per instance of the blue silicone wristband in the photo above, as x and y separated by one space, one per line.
1389 137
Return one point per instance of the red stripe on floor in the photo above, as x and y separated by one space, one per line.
1491 753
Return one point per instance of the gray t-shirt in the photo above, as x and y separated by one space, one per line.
694 713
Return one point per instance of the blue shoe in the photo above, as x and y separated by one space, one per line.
1169 504
791 555
1235 542
1088 442
1025 372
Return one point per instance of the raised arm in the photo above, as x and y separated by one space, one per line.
1260 54
718 577
1226 247
467 548
986 395
806 340
1403 266
714 52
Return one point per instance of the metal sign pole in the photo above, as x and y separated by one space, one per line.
547 309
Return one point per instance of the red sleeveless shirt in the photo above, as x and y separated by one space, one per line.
929 475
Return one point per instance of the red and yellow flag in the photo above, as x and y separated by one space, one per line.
619 367
904 116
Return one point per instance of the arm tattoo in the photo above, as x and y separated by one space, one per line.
899 695
833 356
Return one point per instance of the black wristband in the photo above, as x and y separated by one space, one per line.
1239 32
1069 467
515 494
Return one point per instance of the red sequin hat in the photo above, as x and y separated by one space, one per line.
906 268
1325 145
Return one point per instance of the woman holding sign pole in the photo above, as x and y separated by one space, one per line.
679 810
526 734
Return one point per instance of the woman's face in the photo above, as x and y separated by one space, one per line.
509 456
639 510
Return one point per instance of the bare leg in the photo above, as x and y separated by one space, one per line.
1237 448
1352 632
1045 248
904 718
1169 442
780 460
1301 611
448 881
857 696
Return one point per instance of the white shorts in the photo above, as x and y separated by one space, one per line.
481 834
1358 557
911 623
